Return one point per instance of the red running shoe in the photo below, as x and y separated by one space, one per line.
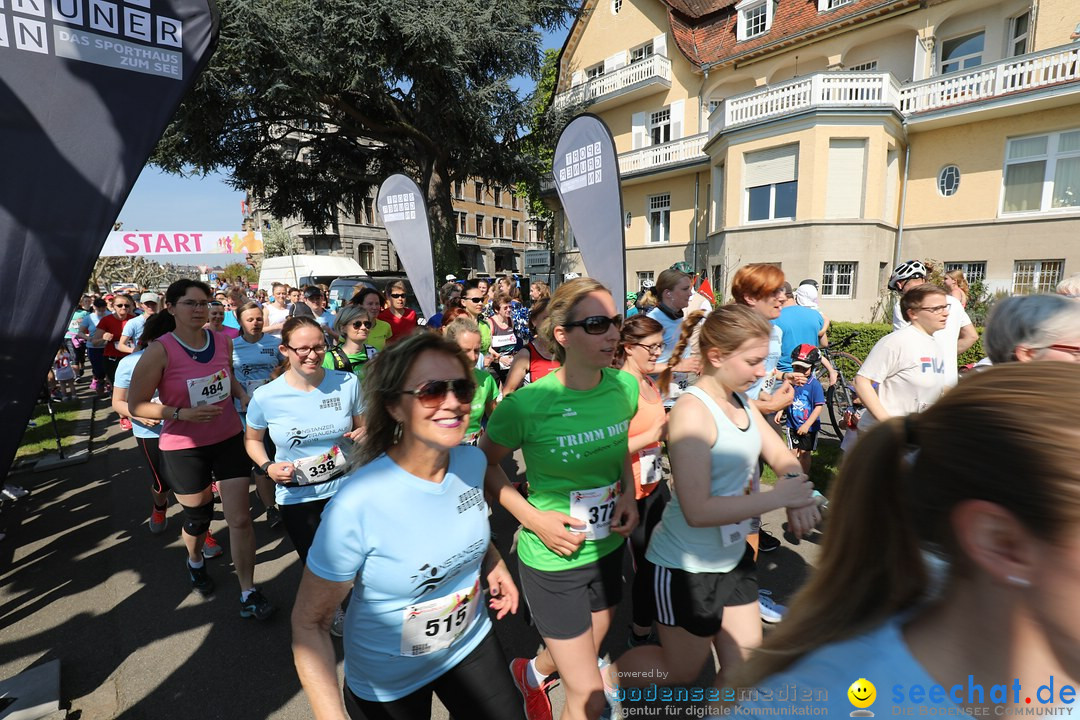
210 548
536 702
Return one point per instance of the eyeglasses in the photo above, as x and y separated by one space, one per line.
121 306
201 304
397 296
305 351
433 393
1070 349
361 324
596 324
474 300
655 349
935 309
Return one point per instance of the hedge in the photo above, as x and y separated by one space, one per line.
870 333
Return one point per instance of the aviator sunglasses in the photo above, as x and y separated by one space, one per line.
432 393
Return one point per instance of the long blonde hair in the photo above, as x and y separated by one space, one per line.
987 439
725 329
561 310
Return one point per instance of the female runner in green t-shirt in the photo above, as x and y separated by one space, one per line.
572 428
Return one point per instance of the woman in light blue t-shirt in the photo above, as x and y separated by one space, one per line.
704 575
948 579
408 534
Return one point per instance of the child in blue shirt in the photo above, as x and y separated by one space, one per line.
804 413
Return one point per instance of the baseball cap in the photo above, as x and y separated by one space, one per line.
149 297
451 277
807 296
805 356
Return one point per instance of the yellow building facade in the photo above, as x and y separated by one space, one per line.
835 137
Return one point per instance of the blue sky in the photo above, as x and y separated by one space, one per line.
160 201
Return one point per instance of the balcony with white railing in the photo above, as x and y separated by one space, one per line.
851 90
618 86
667 155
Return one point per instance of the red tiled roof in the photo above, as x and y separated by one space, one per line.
707 39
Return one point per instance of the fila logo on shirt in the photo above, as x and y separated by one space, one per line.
933 365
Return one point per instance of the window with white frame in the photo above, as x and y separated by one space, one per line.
660 218
948 180
641 52
824 5
962 52
660 126
1036 276
643 276
1042 173
755 18
594 71
838 279
366 255
771 183
463 223
1019 28
616 6
870 66
973 271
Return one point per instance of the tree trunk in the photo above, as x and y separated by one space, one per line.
441 220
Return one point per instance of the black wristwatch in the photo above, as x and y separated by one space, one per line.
176 414
265 465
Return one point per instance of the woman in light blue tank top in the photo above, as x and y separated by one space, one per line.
705 582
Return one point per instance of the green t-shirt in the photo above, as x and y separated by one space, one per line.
379 334
486 392
485 336
571 440
359 361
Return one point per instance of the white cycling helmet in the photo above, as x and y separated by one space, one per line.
906 271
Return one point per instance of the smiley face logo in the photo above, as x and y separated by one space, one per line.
862 694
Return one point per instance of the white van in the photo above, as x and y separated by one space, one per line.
300 270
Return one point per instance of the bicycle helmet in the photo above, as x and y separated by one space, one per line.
906 271
683 266
805 356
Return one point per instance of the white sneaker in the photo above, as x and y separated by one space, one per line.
337 628
771 611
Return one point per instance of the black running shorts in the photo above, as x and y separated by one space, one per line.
191 471
695 602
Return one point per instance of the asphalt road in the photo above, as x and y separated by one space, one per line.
82 580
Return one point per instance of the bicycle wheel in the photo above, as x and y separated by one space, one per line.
841 397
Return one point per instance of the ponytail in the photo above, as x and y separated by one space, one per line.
689 323
871 563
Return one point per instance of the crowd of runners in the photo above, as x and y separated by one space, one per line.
377 442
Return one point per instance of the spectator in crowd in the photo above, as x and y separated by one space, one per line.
1033 327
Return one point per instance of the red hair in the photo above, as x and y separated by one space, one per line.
756 281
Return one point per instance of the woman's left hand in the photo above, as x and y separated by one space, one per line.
356 435
803 520
503 591
626 515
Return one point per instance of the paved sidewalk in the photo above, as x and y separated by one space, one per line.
82 580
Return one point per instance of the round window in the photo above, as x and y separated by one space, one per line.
948 180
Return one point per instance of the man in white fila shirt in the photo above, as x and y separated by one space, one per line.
957 336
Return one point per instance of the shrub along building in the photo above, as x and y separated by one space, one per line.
833 137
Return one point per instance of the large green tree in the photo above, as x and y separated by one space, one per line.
309 103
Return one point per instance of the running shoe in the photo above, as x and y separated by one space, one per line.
536 702
273 518
14 491
256 606
93 384
200 579
125 423
213 487
210 548
158 521
634 640
771 611
766 542
337 628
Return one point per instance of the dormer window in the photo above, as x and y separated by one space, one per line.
825 5
755 18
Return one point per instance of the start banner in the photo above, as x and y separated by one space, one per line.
181 242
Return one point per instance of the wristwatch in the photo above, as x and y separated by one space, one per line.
265 465
176 414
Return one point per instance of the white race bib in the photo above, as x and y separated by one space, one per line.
596 507
649 460
679 382
437 624
320 468
210 389
736 533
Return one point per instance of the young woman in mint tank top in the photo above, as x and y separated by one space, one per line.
572 427
705 579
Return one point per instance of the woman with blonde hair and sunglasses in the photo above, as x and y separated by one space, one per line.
704 574
964 603
408 533
572 428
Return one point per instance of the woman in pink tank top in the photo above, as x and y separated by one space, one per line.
202 436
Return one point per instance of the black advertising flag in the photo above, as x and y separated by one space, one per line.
404 214
587 178
87 88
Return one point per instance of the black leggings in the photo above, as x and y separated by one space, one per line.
479 687
152 456
650 510
301 521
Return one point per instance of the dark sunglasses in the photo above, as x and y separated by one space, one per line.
432 393
596 324
397 295
474 300
361 323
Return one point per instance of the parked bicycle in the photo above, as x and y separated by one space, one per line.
840 398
